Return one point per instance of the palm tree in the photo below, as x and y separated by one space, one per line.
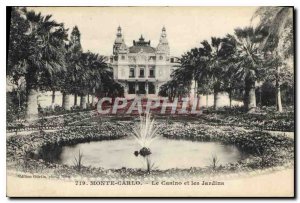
174 88
231 82
203 72
203 68
215 57
44 55
75 42
187 70
278 21
109 87
249 61
82 78
70 84
214 70
228 63
279 41
185 77
98 70
17 47
94 74
73 58
67 78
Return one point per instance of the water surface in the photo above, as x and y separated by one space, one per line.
166 153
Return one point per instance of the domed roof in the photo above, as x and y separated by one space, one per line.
141 46
145 49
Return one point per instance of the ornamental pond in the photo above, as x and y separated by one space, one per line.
166 154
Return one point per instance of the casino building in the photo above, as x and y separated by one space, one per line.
141 68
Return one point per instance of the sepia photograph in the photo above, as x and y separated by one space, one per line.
150 101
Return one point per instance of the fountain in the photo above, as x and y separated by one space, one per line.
145 133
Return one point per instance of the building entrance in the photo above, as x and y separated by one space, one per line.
142 88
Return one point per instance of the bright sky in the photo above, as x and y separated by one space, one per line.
186 26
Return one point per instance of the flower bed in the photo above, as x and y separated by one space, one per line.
51 121
259 121
266 119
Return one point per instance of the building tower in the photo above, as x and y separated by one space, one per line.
163 45
119 42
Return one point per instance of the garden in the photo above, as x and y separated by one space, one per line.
40 152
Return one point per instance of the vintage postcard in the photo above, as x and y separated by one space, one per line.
150 102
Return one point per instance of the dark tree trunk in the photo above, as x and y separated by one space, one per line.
278 92
19 99
230 98
197 96
53 99
215 99
83 102
75 99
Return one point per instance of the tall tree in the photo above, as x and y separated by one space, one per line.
203 74
76 51
228 62
204 67
279 42
17 47
70 80
99 73
250 60
41 55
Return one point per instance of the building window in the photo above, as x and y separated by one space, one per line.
142 73
152 73
131 73
151 58
131 88
172 60
151 88
123 57
161 57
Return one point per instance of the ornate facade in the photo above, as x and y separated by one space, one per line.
141 68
